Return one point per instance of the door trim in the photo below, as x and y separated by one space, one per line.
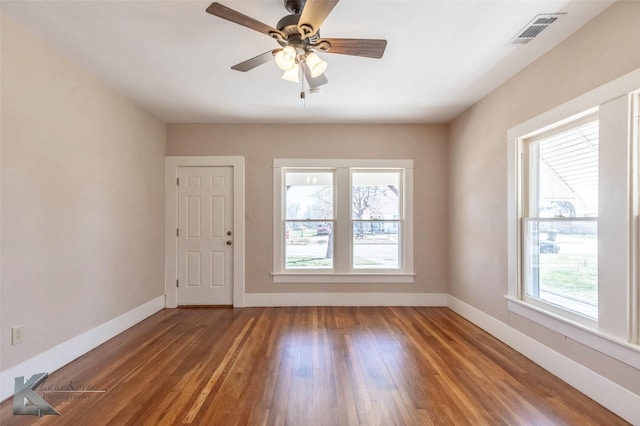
172 164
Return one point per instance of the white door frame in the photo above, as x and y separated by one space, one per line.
171 223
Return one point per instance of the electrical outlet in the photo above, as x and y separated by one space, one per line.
17 334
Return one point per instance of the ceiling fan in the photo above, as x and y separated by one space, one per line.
299 37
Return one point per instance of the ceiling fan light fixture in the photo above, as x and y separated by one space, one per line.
286 58
292 74
299 38
316 65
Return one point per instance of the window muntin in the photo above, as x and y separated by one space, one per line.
560 247
309 216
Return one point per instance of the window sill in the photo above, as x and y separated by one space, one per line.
608 345
363 277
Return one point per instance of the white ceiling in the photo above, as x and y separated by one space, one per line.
174 59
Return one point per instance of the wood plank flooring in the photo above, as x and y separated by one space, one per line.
310 366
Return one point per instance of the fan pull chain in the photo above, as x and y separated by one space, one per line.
302 89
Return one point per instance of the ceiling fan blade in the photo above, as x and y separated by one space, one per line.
229 14
250 64
370 48
313 15
314 82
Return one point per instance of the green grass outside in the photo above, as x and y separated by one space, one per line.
321 262
574 275
308 262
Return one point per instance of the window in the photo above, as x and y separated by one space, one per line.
560 223
309 218
573 227
343 220
376 218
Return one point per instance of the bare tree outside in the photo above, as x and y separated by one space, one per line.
323 207
293 210
310 219
369 202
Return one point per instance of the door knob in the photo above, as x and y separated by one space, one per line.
228 242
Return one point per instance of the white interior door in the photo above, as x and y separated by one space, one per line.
205 235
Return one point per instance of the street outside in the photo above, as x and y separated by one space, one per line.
375 252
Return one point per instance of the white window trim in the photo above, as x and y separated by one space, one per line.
635 225
404 275
588 336
623 350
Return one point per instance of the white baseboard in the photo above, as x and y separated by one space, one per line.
607 393
345 299
64 353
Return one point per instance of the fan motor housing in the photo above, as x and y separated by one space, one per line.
288 25
294 6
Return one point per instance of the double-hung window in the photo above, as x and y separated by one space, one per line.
309 218
560 221
376 206
343 220
573 218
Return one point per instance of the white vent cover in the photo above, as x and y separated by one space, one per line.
535 27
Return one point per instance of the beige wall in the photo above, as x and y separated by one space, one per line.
82 199
606 48
259 144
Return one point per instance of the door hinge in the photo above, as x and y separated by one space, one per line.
177 232
176 283
178 181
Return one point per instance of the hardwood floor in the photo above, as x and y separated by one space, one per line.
309 366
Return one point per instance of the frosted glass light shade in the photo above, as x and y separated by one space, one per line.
286 58
292 74
316 65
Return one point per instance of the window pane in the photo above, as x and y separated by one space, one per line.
565 173
309 195
374 195
563 264
375 245
309 245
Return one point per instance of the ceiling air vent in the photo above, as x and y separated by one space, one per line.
535 27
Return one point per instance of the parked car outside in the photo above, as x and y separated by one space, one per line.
323 229
549 247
